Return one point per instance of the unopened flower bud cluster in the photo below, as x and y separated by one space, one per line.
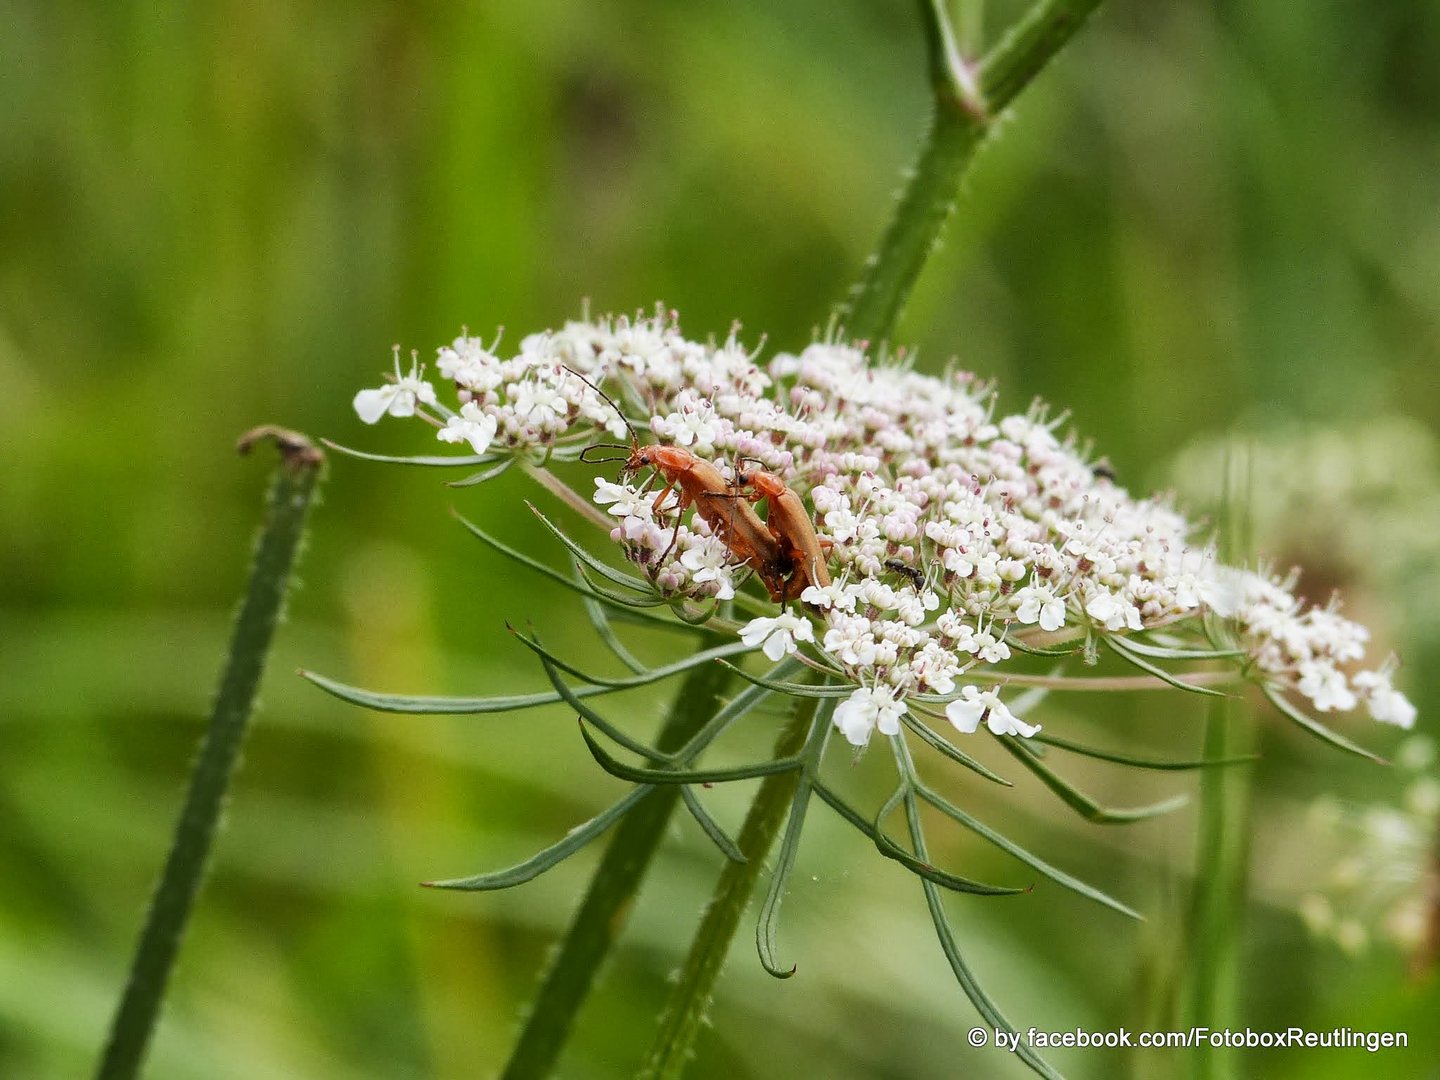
951 531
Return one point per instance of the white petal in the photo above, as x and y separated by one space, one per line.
1393 707
607 491
756 630
482 434
816 596
1223 590
1002 721
1023 729
371 405
855 721
778 644
965 715
1102 607
802 629
404 403
889 721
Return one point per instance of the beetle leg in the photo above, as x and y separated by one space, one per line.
679 515
660 499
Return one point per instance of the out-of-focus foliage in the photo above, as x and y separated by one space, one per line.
1206 215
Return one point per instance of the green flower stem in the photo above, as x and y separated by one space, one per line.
295 482
1027 47
970 25
967 102
684 1013
617 879
890 274
1222 863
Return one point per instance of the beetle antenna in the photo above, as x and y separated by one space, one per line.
589 459
739 472
634 439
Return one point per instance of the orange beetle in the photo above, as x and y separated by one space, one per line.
702 486
789 523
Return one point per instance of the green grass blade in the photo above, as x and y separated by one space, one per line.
1035 650
610 897
683 1016
738 706
1161 652
769 922
986 1007
968 983
586 712
650 599
699 615
603 569
595 612
580 586
844 809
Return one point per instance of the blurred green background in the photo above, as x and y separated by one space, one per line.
1204 218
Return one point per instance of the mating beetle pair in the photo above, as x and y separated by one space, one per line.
783 549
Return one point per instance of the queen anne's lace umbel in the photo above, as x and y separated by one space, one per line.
951 532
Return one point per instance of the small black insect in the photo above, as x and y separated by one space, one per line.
906 570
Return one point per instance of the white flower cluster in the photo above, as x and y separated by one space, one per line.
1309 649
527 401
949 531
682 560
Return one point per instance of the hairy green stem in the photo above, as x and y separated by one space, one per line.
295 482
684 1013
968 99
617 879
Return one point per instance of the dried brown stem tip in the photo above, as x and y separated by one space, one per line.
296 449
